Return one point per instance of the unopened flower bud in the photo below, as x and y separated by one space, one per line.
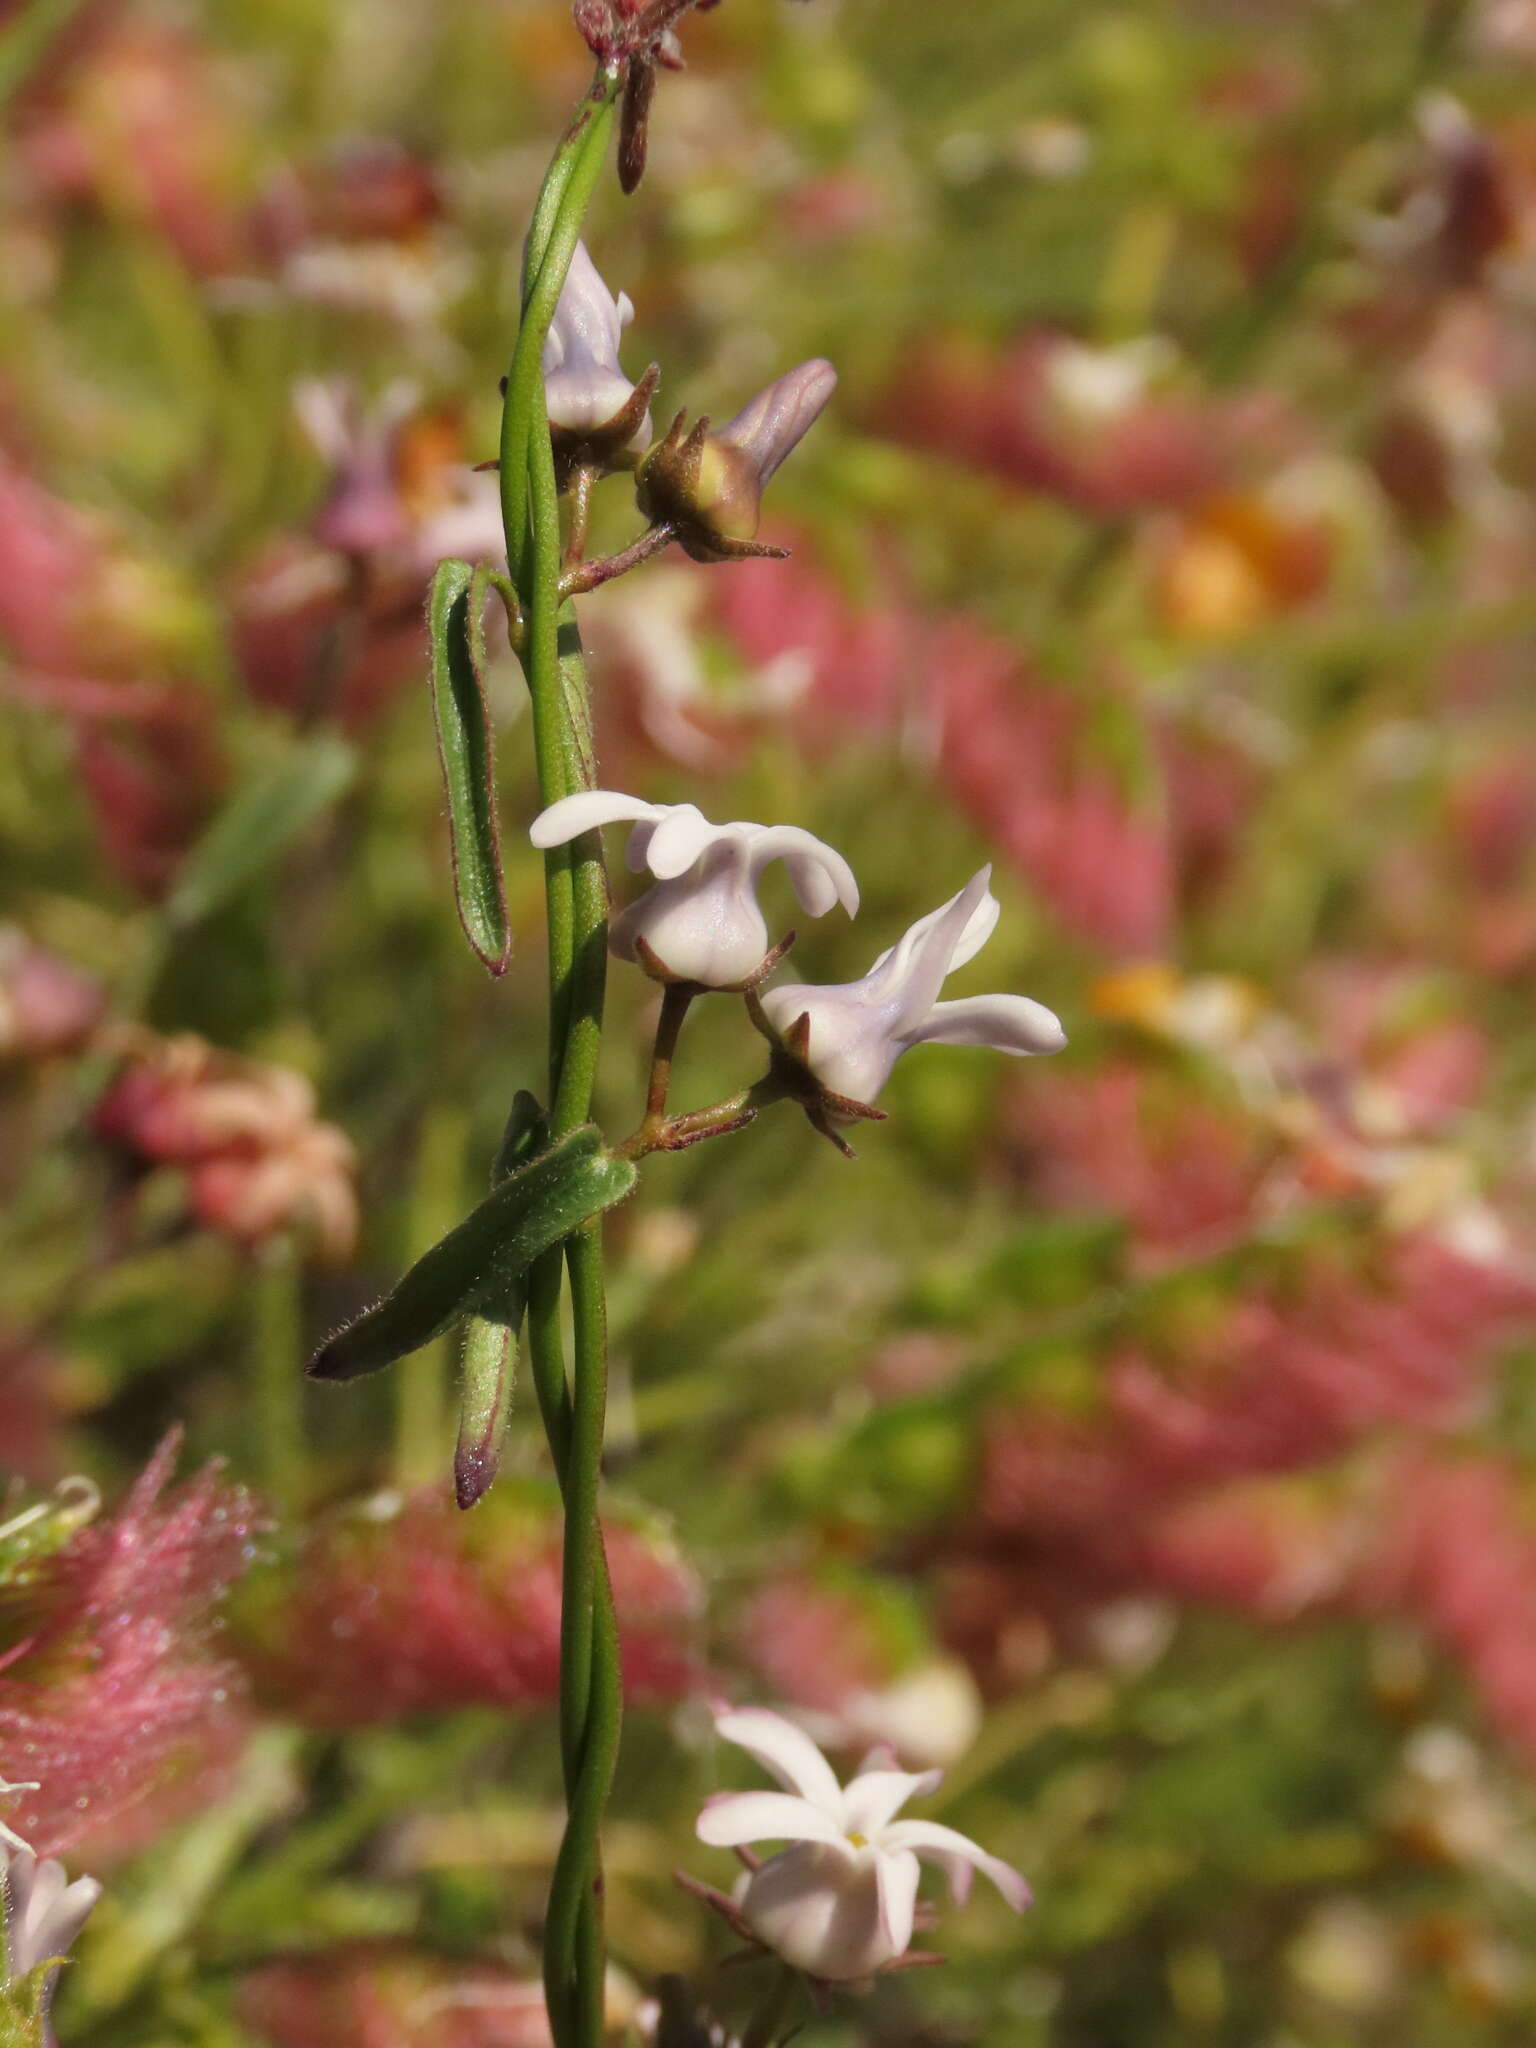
709 486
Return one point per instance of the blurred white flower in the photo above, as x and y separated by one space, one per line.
930 1716
850 1035
585 390
839 1903
701 923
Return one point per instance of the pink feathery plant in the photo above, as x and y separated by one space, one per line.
117 1709
1458 1555
410 1607
370 1995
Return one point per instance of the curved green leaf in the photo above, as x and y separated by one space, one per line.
466 749
477 1264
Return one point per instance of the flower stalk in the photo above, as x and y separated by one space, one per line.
576 895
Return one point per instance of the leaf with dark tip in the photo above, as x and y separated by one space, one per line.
477 1264
489 1368
258 824
465 747
487 1375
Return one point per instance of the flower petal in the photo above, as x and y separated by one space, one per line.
731 1818
786 1752
818 873
896 1879
873 1799
584 812
771 424
1005 1023
915 967
958 1855
680 837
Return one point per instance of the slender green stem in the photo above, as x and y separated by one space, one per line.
576 893
552 240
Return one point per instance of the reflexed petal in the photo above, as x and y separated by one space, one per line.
897 1878
874 1798
732 1818
680 837
585 812
819 874
913 970
959 1856
785 1751
1005 1023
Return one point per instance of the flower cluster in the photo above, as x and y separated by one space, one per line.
700 926
257 1160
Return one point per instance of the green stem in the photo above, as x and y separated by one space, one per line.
576 894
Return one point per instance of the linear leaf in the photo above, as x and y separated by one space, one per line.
466 749
257 825
488 1370
479 1261
488 1375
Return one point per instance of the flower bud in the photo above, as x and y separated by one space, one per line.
710 486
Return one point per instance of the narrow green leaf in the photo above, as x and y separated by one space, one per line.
488 1371
257 825
476 1264
488 1377
466 750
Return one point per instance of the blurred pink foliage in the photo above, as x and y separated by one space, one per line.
110 1695
1017 414
812 1645
29 1406
46 1006
372 1997
1018 754
1183 1172
430 1609
1459 1555
1155 1492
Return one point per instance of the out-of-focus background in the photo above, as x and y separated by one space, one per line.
1146 1435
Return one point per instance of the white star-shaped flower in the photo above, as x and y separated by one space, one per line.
854 1032
839 1902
